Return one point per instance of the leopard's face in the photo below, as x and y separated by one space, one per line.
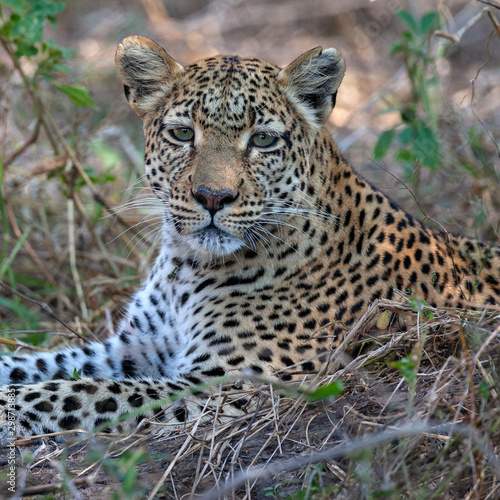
228 139
228 154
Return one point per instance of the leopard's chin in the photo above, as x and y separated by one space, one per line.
215 241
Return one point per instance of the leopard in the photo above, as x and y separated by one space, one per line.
272 248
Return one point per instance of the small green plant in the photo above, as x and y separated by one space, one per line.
124 469
417 132
22 35
409 365
407 368
171 275
272 491
327 391
313 487
484 390
421 306
434 276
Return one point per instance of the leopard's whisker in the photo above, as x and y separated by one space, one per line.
147 218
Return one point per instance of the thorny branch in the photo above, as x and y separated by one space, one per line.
455 38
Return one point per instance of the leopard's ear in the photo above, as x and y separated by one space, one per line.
147 72
312 80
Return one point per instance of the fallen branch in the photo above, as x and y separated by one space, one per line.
371 441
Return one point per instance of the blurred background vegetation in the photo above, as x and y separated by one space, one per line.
417 114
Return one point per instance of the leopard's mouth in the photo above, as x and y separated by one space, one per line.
214 240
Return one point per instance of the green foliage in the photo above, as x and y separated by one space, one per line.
5 264
484 390
327 391
272 491
79 95
25 319
417 131
124 469
23 32
314 488
384 143
420 306
23 38
407 368
25 25
96 178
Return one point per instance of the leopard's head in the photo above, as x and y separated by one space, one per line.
228 139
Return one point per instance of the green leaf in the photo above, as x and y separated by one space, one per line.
426 146
420 306
79 95
484 389
17 6
408 114
408 19
405 155
396 47
429 22
383 144
406 35
326 391
416 305
29 28
129 479
407 368
49 8
8 261
383 321
26 50
64 52
406 135
62 67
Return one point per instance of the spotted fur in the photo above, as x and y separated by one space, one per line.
273 247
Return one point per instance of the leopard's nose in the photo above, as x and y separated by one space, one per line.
213 201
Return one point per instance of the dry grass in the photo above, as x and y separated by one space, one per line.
381 438
68 245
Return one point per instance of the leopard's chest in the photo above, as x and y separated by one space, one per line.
253 315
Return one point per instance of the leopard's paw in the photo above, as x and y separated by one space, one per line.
8 432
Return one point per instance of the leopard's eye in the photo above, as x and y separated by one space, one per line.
184 134
263 140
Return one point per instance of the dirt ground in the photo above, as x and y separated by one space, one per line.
337 421
363 408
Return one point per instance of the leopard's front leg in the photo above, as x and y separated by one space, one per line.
91 360
63 405
126 355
